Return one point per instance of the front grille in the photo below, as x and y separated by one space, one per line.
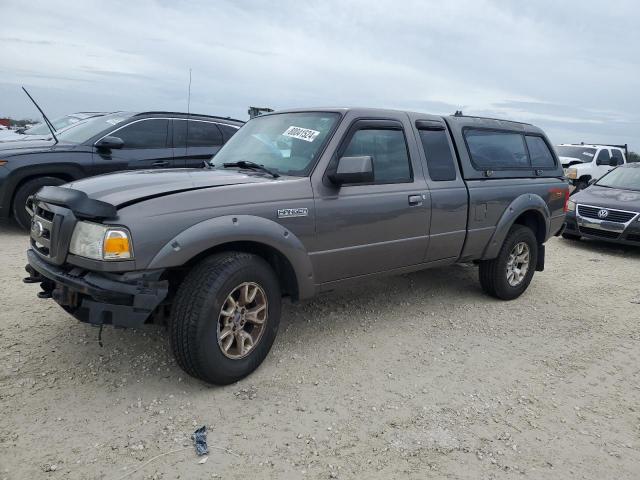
41 228
599 233
612 216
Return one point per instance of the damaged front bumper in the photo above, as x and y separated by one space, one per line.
122 300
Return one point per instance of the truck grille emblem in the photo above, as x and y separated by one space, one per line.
292 212
603 213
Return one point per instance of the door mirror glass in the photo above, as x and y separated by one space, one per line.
613 162
110 143
353 170
603 158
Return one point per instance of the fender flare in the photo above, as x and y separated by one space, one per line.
520 205
238 228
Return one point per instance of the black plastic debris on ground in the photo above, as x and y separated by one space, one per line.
199 438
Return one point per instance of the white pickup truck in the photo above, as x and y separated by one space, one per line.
583 162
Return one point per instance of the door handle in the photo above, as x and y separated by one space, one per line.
415 200
160 163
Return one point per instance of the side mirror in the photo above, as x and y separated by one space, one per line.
613 162
110 143
353 170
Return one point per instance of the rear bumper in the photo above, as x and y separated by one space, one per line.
121 300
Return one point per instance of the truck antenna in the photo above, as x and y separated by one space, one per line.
186 140
46 120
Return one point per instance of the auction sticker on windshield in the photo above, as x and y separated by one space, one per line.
300 133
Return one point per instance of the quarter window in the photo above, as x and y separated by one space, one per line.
438 153
388 150
144 134
539 152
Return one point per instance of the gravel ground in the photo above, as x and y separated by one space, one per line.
418 376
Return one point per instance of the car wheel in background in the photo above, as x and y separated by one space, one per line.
508 275
225 317
30 187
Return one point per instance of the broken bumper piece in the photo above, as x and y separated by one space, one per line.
122 300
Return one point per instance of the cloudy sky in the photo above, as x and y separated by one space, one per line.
571 67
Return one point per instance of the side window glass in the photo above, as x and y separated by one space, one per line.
227 131
440 162
539 152
179 133
145 134
491 150
603 157
388 150
203 134
617 154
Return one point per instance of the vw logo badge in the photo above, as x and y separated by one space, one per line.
603 213
37 229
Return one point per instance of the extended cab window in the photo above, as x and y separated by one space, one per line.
438 153
388 150
539 152
495 150
144 134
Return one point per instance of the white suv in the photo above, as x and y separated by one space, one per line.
583 163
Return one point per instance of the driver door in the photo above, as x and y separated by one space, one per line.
376 227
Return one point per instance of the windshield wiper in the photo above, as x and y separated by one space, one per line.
251 165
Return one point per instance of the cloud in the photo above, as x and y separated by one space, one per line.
575 75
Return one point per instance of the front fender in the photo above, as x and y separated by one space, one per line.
238 228
521 204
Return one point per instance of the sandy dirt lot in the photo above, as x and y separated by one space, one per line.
418 376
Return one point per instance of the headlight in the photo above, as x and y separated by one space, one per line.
571 206
572 173
101 242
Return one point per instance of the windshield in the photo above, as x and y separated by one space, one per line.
581 154
90 128
623 178
287 143
58 123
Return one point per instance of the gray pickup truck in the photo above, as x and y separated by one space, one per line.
296 203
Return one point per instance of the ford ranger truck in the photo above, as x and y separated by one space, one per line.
296 203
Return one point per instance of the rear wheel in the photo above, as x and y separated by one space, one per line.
20 213
225 317
508 275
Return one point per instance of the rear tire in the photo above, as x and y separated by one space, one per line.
20 214
202 317
501 277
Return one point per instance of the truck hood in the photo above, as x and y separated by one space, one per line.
23 147
609 198
568 161
127 188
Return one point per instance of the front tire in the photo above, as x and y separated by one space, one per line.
225 317
20 213
509 274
